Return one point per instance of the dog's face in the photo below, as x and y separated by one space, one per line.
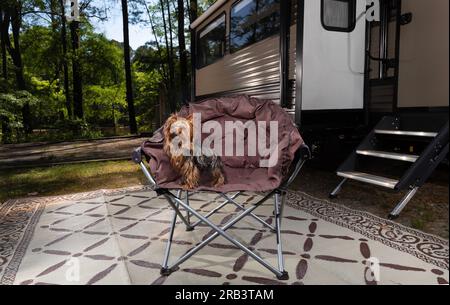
178 135
178 138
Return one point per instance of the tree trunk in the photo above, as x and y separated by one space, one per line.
172 56
76 75
158 46
3 47
182 50
64 59
193 10
170 88
13 17
54 14
126 52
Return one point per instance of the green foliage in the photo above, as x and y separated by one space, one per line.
203 5
42 57
101 63
11 115
101 60
49 105
147 87
105 104
75 129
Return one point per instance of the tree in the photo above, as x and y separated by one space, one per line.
171 53
64 58
193 10
3 46
128 81
86 9
171 85
13 18
154 30
182 50
76 75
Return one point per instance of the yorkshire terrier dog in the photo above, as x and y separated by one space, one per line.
178 145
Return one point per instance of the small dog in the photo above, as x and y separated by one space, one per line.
178 145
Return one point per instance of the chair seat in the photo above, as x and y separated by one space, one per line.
244 179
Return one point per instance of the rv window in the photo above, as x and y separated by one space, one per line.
211 42
339 15
252 21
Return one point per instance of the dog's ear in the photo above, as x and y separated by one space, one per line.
172 119
190 119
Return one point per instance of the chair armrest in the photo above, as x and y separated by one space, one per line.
137 158
302 154
137 155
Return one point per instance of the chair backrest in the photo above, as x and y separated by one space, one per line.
251 131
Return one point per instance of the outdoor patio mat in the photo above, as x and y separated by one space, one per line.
119 236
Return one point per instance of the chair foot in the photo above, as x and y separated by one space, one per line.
393 217
190 229
168 271
332 196
284 276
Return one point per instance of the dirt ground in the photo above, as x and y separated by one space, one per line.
428 210
44 154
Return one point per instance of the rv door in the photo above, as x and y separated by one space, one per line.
333 54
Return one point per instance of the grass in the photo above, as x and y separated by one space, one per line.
66 179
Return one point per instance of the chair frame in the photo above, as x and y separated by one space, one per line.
175 201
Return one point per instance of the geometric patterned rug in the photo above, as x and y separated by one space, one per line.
119 237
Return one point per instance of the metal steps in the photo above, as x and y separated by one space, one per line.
432 143
388 155
368 178
406 133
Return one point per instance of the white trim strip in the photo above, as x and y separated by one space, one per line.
212 9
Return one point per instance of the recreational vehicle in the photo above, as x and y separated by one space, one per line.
339 67
328 62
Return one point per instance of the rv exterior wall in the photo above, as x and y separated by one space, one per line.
255 65
253 70
333 64
424 49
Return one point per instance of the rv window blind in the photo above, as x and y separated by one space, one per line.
211 42
339 15
253 21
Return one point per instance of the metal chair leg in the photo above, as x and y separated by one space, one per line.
338 189
402 204
188 214
164 269
283 202
257 218
175 202
284 275
221 231
221 206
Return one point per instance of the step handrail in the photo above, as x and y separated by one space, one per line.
429 159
